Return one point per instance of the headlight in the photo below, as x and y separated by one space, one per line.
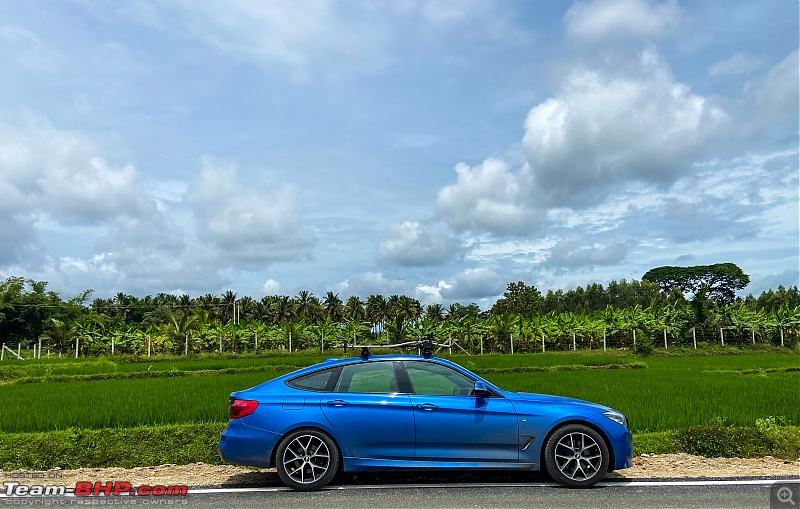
617 417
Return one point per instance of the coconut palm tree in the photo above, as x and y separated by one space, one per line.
283 309
377 311
334 308
434 312
410 308
354 309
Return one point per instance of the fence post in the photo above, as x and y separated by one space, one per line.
186 346
665 339
634 337
574 348
754 336
322 343
481 345
781 336
512 343
148 346
19 349
694 337
290 341
542 342
40 348
604 340
220 343
112 345
77 345
721 336
256 340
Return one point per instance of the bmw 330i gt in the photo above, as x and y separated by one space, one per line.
394 412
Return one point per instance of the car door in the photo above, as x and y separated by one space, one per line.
367 410
453 425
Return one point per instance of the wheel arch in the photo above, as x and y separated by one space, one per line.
273 455
588 424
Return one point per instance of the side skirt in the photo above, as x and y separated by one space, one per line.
351 464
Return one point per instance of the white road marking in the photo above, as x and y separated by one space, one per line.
606 484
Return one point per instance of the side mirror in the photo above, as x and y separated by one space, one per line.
481 390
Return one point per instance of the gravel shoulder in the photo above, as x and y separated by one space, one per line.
672 466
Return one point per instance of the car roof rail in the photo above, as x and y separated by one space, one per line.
425 347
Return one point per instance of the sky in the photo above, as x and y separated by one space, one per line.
438 149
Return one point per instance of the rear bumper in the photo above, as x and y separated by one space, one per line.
243 445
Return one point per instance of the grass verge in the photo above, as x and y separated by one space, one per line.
192 443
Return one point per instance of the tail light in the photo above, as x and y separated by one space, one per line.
242 408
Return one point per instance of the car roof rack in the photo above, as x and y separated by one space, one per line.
425 347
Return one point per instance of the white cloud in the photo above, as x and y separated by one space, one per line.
248 229
271 287
603 128
773 101
430 294
489 197
293 34
474 284
739 63
56 176
603 20
763 282
368 283
577 252
415 244
27 50
600 132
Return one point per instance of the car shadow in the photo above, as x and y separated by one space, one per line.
269 478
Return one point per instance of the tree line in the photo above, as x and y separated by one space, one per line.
589 317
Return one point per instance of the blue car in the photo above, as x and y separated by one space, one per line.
395 412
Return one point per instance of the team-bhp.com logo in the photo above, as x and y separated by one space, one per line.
94 489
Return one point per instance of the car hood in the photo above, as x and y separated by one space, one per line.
559 400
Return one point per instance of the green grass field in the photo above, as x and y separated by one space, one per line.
670 393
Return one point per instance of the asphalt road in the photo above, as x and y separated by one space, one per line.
639 497
458 492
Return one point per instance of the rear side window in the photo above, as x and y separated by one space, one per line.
316 381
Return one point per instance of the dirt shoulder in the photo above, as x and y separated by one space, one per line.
200 474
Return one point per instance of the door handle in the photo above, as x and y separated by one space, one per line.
338 403
427 407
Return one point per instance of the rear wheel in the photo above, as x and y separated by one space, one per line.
576 456
307 459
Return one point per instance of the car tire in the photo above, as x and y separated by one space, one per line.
307 459
576 456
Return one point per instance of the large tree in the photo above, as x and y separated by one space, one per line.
519 298
718 282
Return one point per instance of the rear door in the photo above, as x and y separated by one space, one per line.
367 410
453 425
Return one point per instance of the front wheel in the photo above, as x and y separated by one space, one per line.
307 459
576 456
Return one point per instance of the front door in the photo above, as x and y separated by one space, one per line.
453 425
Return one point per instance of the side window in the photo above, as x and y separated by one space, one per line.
317 381
435 379
368 377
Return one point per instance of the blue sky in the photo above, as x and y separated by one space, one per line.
438 149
